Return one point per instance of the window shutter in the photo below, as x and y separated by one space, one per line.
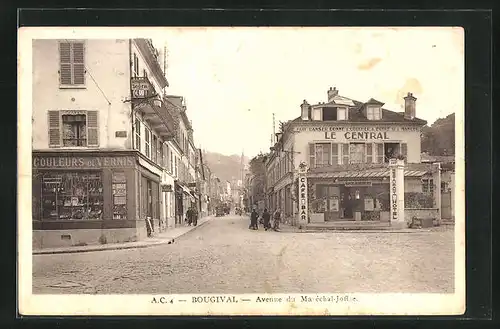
404 150
369 152
312 156
54 122
335 154
65 63
345 153
78 63
92 128
380 152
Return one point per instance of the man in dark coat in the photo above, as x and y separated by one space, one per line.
266 216
194 216
254 216
189 216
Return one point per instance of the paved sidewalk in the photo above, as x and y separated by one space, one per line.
166 237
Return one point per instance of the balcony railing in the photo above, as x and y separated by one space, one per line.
145 99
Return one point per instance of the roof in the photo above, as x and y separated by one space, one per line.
376 170
356 115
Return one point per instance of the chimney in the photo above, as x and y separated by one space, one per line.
332 92
410 106
304 110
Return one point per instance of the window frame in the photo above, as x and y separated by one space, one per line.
373 113
62 116
56 128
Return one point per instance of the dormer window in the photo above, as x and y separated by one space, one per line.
341 113
330 114
373 113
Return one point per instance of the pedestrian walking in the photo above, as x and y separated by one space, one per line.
194 215
189 216
266 216
253 220
277 219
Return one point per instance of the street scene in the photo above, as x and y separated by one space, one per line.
224 256
162 168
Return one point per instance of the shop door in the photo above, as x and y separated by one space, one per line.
347 203
332 203
144 198
149 206
446 205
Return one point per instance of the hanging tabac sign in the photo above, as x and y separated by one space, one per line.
303 202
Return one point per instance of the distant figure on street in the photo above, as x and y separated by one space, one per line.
253 220
194 216
189 216
277 219
266 216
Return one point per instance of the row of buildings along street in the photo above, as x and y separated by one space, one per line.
114 154
345 163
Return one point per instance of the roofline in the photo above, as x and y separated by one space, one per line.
348 122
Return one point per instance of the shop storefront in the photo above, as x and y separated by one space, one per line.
362 195
84 198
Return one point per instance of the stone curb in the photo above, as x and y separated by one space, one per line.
117 246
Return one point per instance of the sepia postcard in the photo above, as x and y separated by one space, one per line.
241 171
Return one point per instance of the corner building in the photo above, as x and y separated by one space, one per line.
105 149
343 148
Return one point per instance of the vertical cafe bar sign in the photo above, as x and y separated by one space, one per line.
303 202
393 190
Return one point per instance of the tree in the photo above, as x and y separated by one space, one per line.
439 138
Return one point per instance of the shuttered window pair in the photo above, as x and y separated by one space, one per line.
70 130
71 63
326 154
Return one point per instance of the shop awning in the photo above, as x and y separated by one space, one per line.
365 174
185 189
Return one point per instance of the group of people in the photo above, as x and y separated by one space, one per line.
192 216
266 220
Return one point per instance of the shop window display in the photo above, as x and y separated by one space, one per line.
72 196
119 195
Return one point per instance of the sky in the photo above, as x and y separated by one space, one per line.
234 79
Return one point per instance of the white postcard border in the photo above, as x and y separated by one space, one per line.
357 304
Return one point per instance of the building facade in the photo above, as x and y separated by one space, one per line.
108 144
334 161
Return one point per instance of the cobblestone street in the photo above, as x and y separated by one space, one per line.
224 256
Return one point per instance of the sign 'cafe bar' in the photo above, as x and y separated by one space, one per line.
354 162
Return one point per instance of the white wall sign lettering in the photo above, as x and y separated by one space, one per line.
303 202
397 190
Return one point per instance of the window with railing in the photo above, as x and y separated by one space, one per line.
74 130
